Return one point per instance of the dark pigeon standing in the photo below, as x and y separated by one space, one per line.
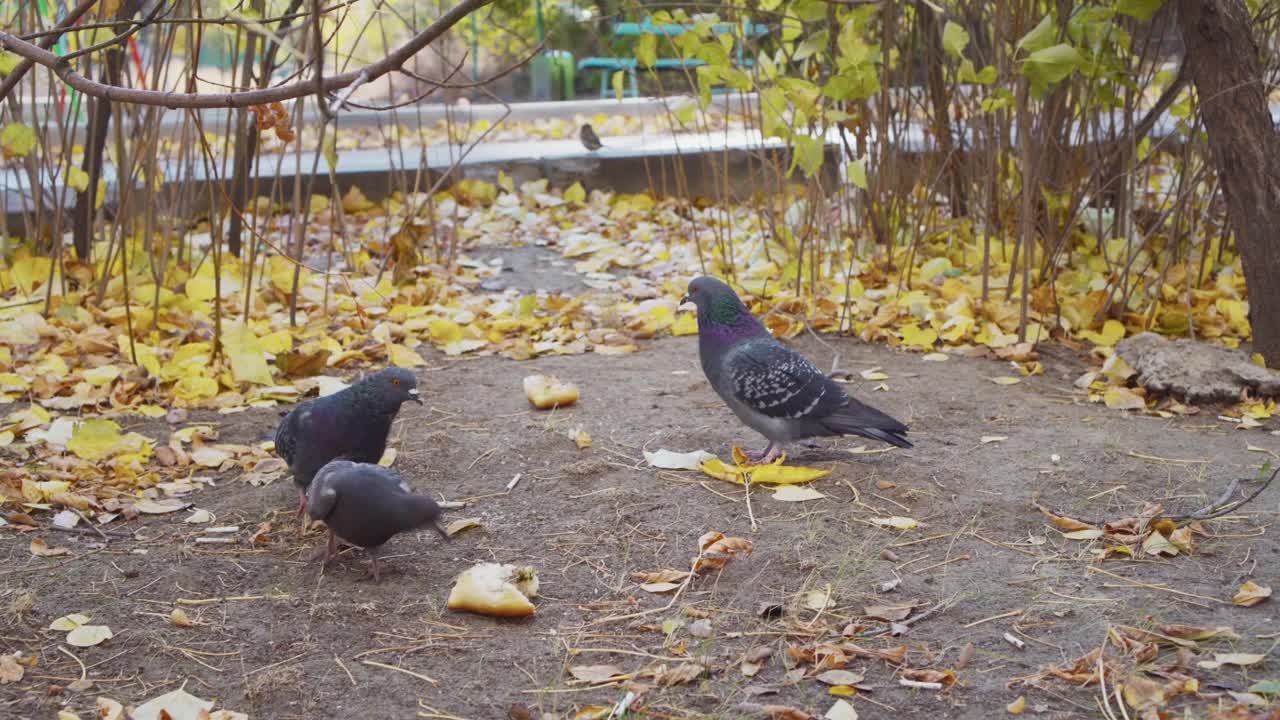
352 424
589 138
365 505
775 390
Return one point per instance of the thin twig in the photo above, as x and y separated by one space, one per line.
410 673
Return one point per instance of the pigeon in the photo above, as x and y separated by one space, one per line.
775 390
351 424
589 139
365 505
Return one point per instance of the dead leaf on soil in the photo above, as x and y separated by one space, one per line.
69 622
946 678
1192 632
888 613
1141 692
458 526
89 635
160 507
1249 594
266 471
818 600
839 677
177 705
795 493
594 673
774 473
659 576
1064 523
683 673
716 550
41 549
896 522
1240 659
841 710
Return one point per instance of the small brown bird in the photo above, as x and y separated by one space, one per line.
589 139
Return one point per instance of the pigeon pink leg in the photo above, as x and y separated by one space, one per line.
766 456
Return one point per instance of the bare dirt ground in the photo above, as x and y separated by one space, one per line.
300 645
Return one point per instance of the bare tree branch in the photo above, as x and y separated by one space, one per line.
394 61
11 80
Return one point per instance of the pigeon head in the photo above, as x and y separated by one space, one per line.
717 303
426 514
390 387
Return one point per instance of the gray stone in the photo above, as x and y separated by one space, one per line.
1194 371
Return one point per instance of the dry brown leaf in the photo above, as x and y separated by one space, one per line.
1017 706
41 549
894 655
839 677
1249 594
1141 692
822 656
1193 632
718 550
659 576
1063 523
683 673
888 613
458 526
262 535
594 673
946 678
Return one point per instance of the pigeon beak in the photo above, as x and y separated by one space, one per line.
413 395
686 301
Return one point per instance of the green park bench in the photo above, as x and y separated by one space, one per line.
607 66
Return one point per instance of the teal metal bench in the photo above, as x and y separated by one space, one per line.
609 66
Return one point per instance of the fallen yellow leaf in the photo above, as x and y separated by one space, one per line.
1250 594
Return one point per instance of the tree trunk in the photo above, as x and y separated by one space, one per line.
99 117
1225 66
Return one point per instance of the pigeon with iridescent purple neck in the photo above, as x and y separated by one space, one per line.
351 424
775 390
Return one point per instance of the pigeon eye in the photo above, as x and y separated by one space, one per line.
395 381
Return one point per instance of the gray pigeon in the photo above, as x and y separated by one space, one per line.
773 389
352 424
365 505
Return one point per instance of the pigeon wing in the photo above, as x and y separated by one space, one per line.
778 382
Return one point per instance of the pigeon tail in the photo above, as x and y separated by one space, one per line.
858 419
